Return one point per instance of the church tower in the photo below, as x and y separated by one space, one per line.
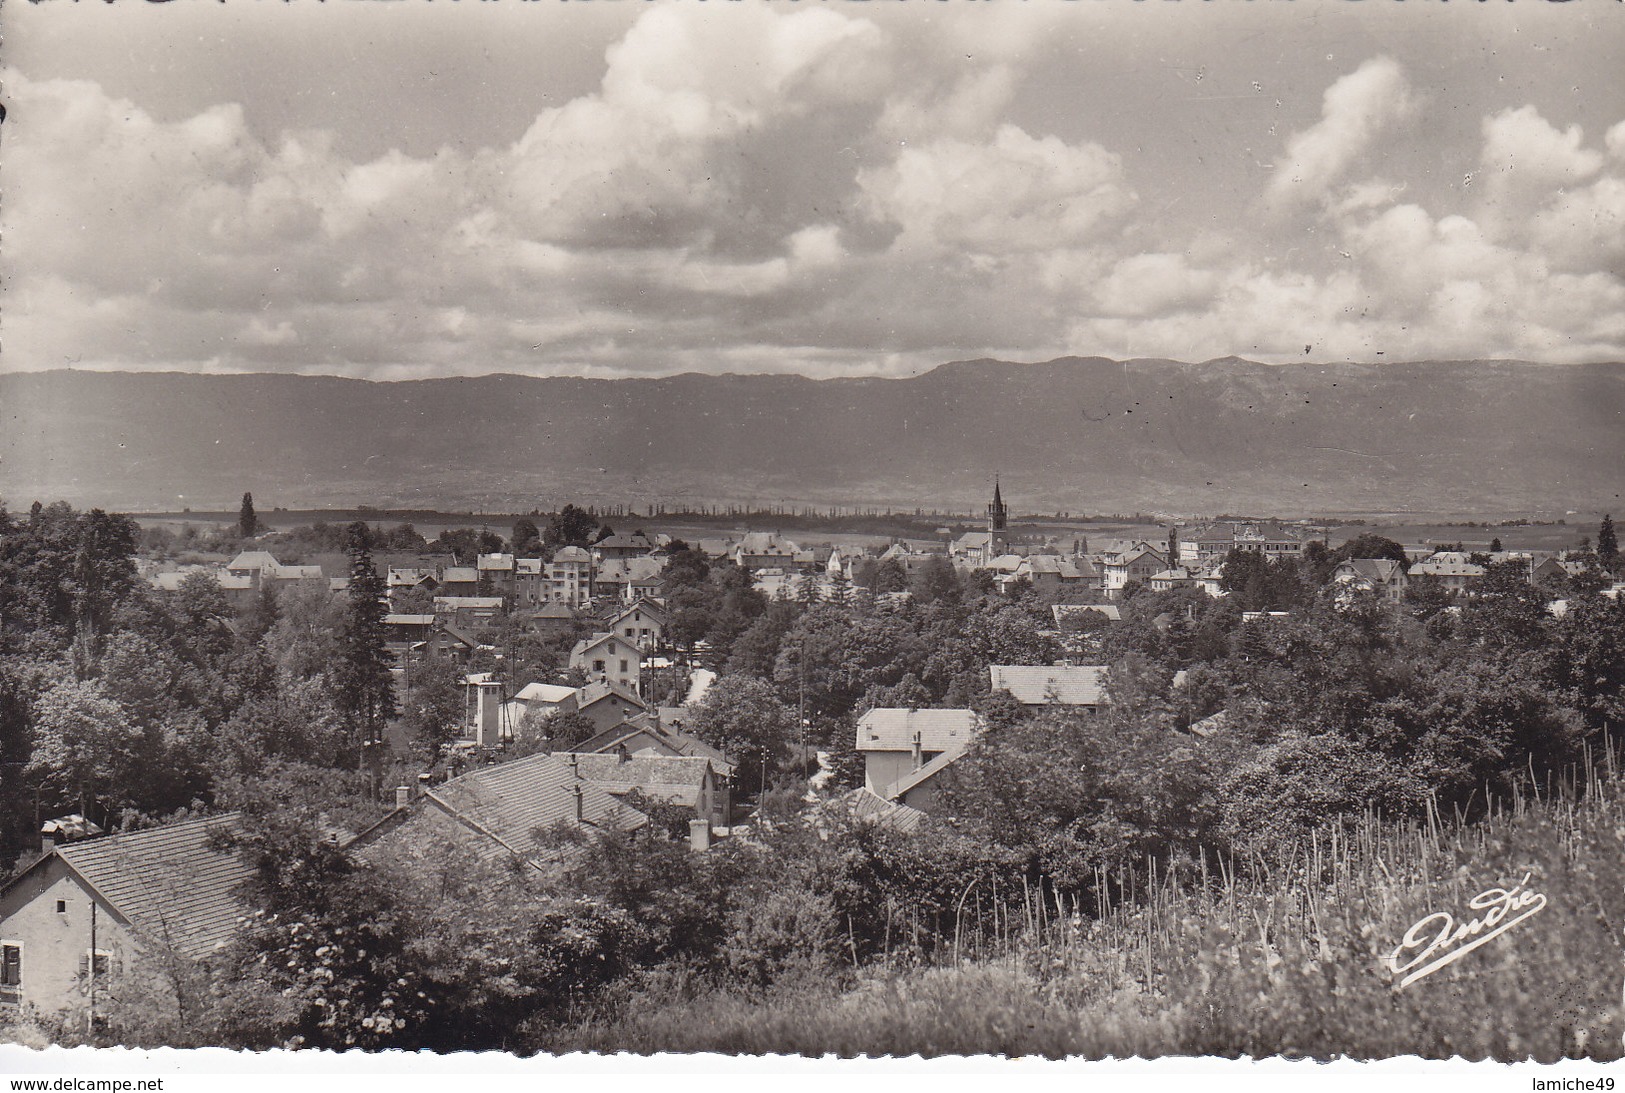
997 524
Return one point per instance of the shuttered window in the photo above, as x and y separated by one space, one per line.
105 965
11 965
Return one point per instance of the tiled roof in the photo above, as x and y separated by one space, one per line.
494 563
544 692
925 773
460 574
581 647
1100 548
555 609
1464 557
600 689
674 741
571 554
626 542
508 802
530 567
1072 612
867 807
1042 685
765 542
1245 531
253 559
693 746
624 570
409 620
73 826
893 729
170 883
1129 557
1446 569
1381 570
472 602
675 778
653 610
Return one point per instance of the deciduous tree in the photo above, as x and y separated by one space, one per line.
570 526
87 748
743 718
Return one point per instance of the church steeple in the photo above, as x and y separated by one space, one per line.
998 517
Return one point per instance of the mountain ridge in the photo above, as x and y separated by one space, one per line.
1074 433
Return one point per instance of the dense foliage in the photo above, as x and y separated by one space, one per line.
1235 729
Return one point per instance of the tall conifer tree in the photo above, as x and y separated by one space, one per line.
1607 544
366 691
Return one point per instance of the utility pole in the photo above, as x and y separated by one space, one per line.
90 1017
801 710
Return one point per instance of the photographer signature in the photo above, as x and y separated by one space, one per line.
1436 940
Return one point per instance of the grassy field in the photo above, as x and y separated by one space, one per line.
1290 961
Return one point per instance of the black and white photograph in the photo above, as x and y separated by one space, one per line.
1061 530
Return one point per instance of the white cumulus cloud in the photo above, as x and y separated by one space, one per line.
1355 112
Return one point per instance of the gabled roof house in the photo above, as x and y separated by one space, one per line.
86 913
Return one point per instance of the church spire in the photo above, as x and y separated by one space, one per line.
997 514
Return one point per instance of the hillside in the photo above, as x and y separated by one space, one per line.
1079 434
1290 960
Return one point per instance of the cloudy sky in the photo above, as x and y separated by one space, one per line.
425 187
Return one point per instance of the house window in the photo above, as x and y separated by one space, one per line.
598 666
61 906
104 966
623 666
628 631
11 970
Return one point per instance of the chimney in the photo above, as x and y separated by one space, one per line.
47 842
575 791
919 754
621 754
403 796
699 834
423 783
